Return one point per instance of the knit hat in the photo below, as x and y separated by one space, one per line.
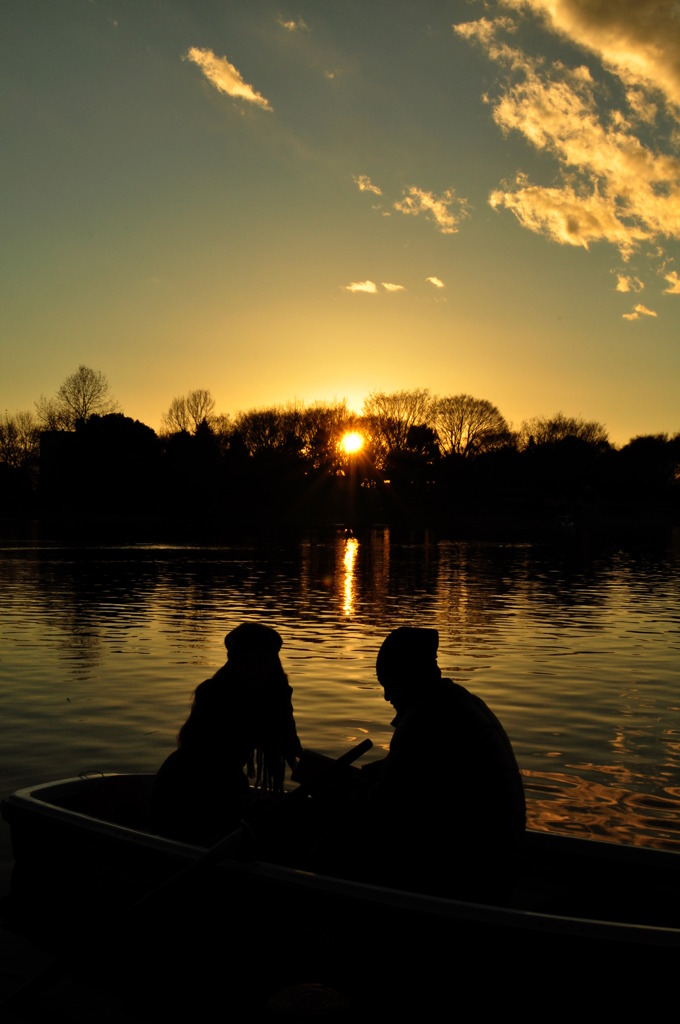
252 638
408 649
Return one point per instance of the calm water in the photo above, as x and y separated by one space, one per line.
578 654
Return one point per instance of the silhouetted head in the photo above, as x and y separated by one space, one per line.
248 698
252 639
253 659
406 660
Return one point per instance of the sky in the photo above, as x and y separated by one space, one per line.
311 201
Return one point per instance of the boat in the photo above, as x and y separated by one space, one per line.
87 870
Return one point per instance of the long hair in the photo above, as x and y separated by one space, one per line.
227 719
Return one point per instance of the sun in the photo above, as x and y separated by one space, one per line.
351 442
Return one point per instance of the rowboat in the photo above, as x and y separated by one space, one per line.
588 920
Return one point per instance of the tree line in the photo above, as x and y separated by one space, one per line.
451 461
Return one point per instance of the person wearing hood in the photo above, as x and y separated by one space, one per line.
240 730
444 812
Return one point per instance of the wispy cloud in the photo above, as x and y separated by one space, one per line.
639 311
389 287
673 283
368 287
625 283
293 24
436 281
446 210
609 185
225 77
364 184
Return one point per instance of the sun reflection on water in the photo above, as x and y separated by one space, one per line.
351 549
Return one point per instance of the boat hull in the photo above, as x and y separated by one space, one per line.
84 865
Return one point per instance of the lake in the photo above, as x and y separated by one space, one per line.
577 651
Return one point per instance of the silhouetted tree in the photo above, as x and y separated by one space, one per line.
187 412
107 465
19 439
649 465
263 430
176 419
322 427
50 416
223 429
469 426
389 417
541 430
200 406
81 395
412 465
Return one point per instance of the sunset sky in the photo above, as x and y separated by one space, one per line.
314 200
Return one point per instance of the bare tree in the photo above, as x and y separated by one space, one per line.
321 429
83 393
261 429
543 430
200 406
176 419
50 416
188 412
469 426
19 439
390 417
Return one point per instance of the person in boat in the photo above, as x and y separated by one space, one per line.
241 728
445 811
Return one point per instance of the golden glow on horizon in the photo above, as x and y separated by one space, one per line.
352 442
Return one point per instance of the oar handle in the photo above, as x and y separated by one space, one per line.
353 754
232 844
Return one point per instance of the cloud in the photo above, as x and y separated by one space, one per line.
610 183
389 287
225 77
436 281
568 216
369 287
673 283
365 184
624 283
446 210
639 311
639 42
293 24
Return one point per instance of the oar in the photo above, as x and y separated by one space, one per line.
231 845
325 770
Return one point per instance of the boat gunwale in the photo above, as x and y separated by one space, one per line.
28 804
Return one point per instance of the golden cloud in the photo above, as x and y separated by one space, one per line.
389 287
225 77
624 283
293 25
639 311
369 287
436 281
673 283
566 216
365 184
639 42
446 210
613 184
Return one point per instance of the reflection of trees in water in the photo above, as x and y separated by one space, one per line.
568 650
552 579
90 598
462 587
